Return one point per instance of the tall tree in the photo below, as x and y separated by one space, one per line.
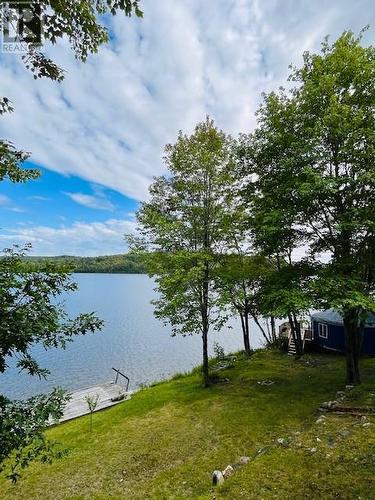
285 292
31 315
314 149
273 224
242 272
28 312
239 283
182 224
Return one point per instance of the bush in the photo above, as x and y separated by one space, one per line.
280 344
219 351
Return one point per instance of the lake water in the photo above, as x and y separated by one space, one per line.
132 340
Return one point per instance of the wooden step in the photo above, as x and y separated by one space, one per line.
292 351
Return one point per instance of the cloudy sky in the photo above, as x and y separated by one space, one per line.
99 136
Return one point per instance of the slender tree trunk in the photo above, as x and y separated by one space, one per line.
245 332
206 375
205 325
273 328
352 328
353 343
262 330
298 336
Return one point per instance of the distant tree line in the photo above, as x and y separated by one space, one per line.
120 263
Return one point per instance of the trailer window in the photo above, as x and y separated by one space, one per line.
323 330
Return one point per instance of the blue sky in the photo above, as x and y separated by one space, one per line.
53 210
99 136
60 200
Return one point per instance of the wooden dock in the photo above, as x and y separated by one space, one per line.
109 394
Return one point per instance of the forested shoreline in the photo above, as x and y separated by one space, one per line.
115 264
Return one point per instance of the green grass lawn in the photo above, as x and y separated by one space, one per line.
166 441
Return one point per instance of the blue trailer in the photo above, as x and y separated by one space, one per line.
328 332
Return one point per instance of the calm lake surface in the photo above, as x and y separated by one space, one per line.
132 340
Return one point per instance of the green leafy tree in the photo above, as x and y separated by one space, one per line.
313 154
81 22
92 401
273 224
31 315
242 271
11 159
22 431
182 226
285 292
239 282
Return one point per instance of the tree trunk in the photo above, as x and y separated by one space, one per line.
353 344
263 332
206 375
246 332
273 328
205 324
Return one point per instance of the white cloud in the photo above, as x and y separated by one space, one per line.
7 203
38 198
18 210
4 200
90 201
110 119
97 238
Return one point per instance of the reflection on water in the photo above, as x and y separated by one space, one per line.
132 340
